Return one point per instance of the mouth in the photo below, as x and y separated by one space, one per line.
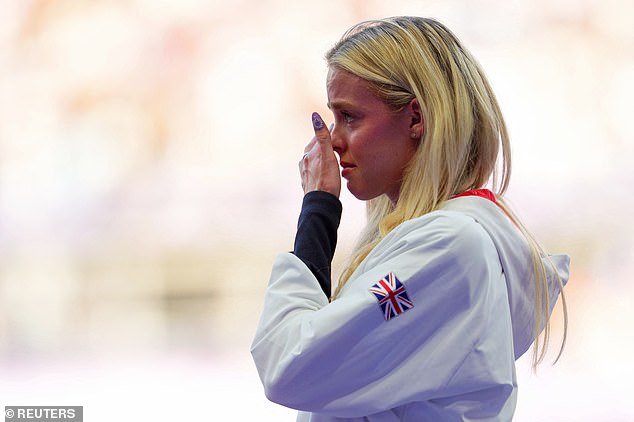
346 168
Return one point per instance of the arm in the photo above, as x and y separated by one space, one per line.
316 236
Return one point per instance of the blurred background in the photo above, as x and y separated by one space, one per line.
148 178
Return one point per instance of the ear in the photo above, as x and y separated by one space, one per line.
417 124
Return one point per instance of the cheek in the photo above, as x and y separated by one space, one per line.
356 145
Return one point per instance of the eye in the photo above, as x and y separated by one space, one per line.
347 117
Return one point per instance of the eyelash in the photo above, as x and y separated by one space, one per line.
347 117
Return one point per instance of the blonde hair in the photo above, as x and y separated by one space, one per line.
406 58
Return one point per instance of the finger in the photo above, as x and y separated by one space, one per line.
321 132
310 145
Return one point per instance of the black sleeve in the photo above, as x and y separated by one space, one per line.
316 236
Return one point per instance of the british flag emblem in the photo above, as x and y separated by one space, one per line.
392 296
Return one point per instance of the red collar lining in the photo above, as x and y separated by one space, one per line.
483 193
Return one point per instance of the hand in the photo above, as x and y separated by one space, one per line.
319 167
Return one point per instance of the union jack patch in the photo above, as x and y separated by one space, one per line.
392 296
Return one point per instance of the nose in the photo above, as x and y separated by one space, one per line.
338 143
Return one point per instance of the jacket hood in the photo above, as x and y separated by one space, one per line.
517 264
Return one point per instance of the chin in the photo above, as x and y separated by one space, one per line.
362 195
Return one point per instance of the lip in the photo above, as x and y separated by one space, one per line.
346 168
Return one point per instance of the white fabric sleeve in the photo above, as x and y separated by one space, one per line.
344 359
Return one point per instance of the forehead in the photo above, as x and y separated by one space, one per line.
345 89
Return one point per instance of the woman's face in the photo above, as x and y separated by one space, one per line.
373 142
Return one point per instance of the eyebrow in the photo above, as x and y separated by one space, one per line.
339 105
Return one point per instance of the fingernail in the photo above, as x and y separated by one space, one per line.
318 123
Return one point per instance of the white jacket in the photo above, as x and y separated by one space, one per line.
450 357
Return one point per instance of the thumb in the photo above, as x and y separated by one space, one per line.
321 132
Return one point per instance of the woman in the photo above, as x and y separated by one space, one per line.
445 288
